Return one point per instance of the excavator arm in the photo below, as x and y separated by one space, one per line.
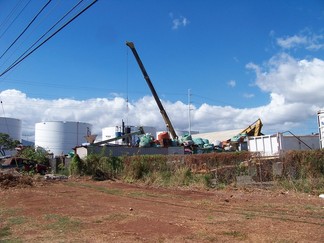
156 97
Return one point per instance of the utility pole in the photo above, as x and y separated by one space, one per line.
189 118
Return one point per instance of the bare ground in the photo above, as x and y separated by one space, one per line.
82 210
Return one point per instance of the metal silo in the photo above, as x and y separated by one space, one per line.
60 137
12 127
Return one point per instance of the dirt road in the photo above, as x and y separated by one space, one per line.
88 211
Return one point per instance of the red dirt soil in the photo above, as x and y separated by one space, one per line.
82 210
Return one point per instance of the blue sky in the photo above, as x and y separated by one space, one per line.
241 60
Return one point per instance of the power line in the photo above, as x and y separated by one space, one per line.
30 23
46 32
18 61
10 14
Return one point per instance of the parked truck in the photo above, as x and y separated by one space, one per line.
276 144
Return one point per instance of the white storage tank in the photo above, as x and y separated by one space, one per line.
60 137
12 127
112 132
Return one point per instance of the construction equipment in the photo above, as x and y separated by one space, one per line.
157 100
127 135
254 129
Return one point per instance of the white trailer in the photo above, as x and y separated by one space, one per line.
320 119
276 144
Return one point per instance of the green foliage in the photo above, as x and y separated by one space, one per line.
7 142
182 177
4 231
302 170
62 223
76 166
304 164
309 185
139 167
40 156
99 166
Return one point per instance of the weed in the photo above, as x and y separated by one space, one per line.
249 215
115 217
17 220
102 189
5 231
306 185
236 234
62 223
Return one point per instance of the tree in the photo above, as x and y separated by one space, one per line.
7 143
36 155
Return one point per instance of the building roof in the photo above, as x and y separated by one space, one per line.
220 136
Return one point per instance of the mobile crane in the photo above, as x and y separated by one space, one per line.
157 100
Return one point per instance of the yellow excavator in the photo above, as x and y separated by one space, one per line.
254 129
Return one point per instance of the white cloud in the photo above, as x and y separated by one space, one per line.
279 115
292 41
178 22
248 96
305 39
294 86
231 83
296 80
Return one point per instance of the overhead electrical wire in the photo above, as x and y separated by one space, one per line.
67 23
9 16
30 23
31 32
40 38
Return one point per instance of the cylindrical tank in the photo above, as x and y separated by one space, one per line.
60 137
12 127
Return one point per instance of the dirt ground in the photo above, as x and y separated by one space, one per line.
82 210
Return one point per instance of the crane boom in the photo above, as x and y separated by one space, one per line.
149 83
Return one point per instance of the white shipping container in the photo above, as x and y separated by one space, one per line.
276 144
320 118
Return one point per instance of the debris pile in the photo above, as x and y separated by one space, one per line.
55 177
13 178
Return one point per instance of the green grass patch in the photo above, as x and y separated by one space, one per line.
249 215
305 185
8 212
115 217
99 188
5 232
142 195
236 234
61 223
17 220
